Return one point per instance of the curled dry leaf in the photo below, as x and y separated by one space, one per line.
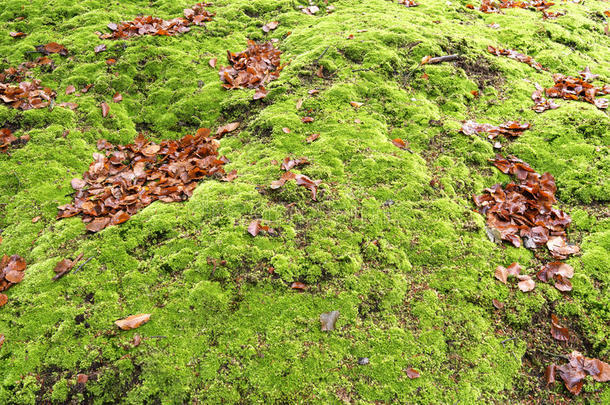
560 249
21 92
133 321
17 34
117 98
557 331
509 129
501 274
307 120
526 283
328 320
550 270
542 104
301 180
412 373
356 104
574 88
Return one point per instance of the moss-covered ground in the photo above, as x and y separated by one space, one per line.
393 241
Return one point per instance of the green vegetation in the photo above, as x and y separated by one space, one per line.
393 241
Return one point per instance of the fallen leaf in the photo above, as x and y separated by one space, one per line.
307 119
286 130
328 320
212 62
270 26
356 104
560 249
35 219
133 321
399 143
312 138
100 48
549 374
117 98
70 89
557 331
227 128
501 274
497 304
412 373
526 283
17 34
105 109
297 285
82 378
3 299
232 175
1 339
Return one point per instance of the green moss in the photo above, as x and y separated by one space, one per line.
392 243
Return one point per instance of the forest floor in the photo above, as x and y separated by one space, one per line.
393 241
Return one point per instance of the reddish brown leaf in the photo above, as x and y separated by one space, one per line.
270 26
557 331
117 98
562 283
560 249
412 373
399 143
232 175
549 374
1 339
82 378
288 164
17 34
110 61
307 119
35 219
70 89
98 224
105 109
526 283
297 285
3 299
133 321
501 274
12 270
497 304
312 138
227 128
286 130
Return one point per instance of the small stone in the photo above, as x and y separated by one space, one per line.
328 320
363 361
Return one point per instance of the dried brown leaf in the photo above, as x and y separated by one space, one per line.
133 321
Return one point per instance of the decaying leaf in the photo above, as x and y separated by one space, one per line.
526 283
560 249
253 68
100 48
501 274
312 138
82 378
256 227
511 53
133 321
557 331
288 164
227 128
17 34
70 89
8 140
399 143
12 271
328 320
117 98
497 304
542 104
212 62
578 367
126 178
574 88
52 47
270 26
20 91
510 129
105 109
301 180
307 120
412 373
65 266
3 299
297 285
549 374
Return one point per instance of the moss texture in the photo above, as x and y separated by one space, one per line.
393 242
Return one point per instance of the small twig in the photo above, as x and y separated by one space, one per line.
315 62
441 59
561 356
508 340
362 70
81 266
